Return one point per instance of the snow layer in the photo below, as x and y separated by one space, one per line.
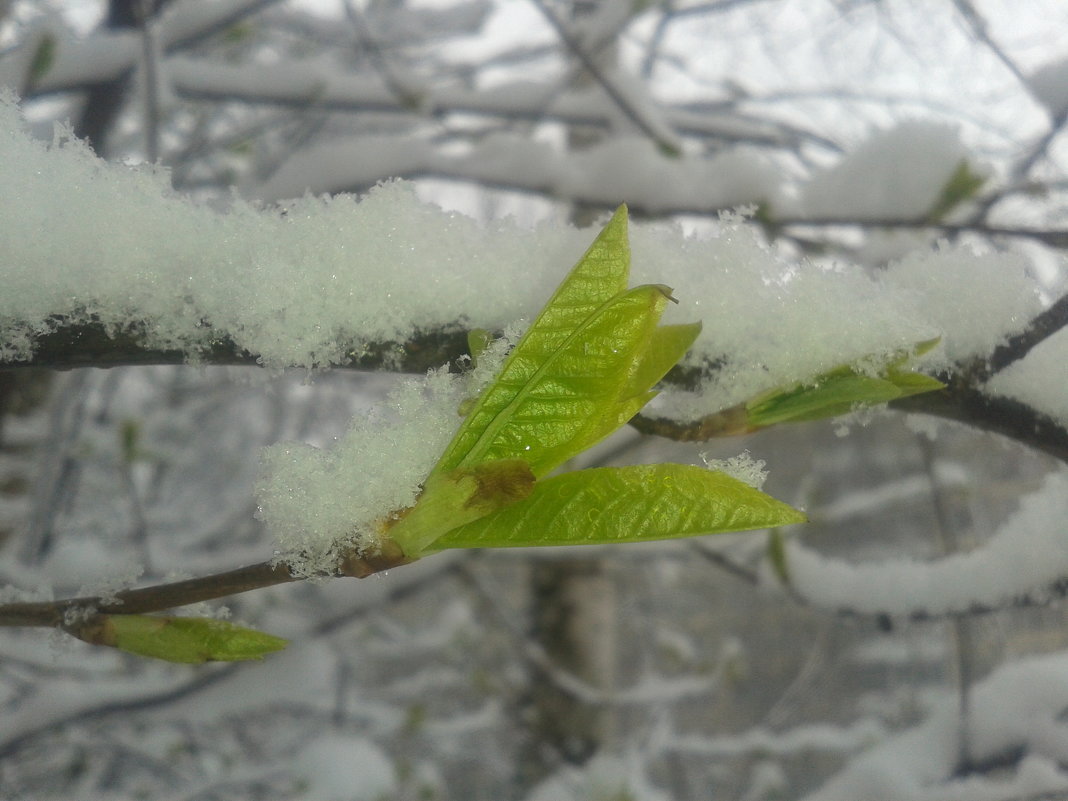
349 767
318 501
1028 552
83 239
621 167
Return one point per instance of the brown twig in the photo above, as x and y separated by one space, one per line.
175 594
1045 325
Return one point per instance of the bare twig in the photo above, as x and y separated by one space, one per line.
1054 237
145 12
630 111
182 593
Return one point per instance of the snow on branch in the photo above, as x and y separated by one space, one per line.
1016 733
622 167
1028 553
102 248
77 63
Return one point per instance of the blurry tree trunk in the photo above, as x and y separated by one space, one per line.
574 625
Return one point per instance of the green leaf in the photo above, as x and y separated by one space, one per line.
832 395
667 345
841 390
600 275
581 371
185 639
624 504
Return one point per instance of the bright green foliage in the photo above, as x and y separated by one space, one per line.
586 365
583 368
624 504
186 639
840 391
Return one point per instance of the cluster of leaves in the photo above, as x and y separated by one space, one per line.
585 367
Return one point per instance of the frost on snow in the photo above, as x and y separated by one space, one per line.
318 503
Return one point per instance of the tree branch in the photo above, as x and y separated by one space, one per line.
70 346
664 138
160 597
999 415
1053 237
1041 328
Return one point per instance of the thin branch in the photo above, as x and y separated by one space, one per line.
1053 237
630 111
999 415
92 344
958 401
160 597
145 12
1041 328
402 85
981 31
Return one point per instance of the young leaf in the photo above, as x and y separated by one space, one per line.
624 504
583 369
183 639
840 391
598 278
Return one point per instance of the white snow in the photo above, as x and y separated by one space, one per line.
604 778
1040 380
1028 551
975 301
621 167
742 467
344 766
